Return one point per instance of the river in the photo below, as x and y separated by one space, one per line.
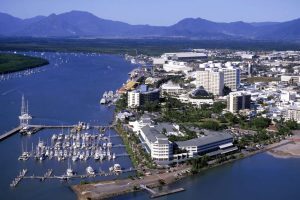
66 91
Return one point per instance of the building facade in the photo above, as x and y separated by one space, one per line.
293 113
133 99
157 144
171 89
232 77
237 101
213 141
141 96
212 81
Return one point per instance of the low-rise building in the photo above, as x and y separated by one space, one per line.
168 129
290 79
157 145
175 66
293 113
171 89
185 98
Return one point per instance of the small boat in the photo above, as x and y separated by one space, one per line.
74 158
90 170
103 101
109 144
70 171
117 168
54 137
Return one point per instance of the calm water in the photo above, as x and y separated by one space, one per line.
68 91
260 177
64 92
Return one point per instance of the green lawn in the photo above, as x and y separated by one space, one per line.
17 62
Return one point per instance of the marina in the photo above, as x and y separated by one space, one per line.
80 142
49 175
53 86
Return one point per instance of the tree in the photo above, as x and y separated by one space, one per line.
291 124
211 124
218 107
260 123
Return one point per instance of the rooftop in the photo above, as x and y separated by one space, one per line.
211 137
154 135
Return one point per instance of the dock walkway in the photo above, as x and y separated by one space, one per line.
39 127
10 133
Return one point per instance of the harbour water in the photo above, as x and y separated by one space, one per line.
64 92
68 90
259 177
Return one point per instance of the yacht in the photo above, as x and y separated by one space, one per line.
109 144
25 155
90 170
70 171
74 158
117 168
54 137
103 101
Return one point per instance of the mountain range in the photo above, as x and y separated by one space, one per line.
80 24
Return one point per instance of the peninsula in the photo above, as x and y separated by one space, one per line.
17 62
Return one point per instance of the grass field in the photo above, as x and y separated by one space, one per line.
261 79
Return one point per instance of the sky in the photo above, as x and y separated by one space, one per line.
161 12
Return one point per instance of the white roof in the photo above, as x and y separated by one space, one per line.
223 146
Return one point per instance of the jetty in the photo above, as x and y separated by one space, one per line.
10 133
155 194
36 128
17 180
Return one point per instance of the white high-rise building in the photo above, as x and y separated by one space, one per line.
211 81
231 77
133 99
231 73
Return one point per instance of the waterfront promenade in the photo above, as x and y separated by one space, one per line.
107 189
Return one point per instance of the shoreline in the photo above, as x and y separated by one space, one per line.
19 62
291 150
119 187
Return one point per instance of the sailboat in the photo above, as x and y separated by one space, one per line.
70 172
